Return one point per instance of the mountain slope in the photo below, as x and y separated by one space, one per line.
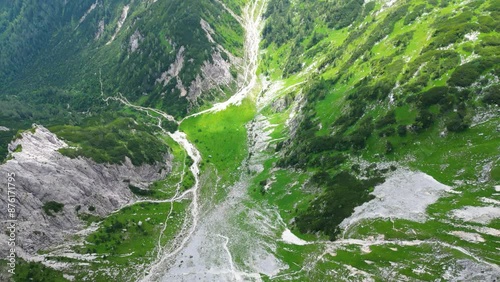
133 45
360 142
387 86
59 58
399 74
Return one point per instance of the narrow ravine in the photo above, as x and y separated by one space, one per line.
252 23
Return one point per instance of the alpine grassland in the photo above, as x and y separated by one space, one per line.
221 137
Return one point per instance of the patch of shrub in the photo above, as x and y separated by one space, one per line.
52 206
342 194
389 148
492 95
140 192
487 24
35 271
433 96
456 123
169 126
424 120
402 131
357 139
388 119
327 160
495 173
468 73
402 41
387 132
417 12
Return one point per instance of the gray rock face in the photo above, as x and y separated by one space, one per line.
213 75
135 40
259 140
42 174
174 69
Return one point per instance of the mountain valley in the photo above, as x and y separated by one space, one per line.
251 140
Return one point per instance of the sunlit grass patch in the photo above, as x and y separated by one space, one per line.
221 137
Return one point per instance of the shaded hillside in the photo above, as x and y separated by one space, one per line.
57 58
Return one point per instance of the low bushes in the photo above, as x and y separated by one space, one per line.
52 206
343 193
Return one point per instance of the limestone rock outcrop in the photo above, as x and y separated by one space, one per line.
42 174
